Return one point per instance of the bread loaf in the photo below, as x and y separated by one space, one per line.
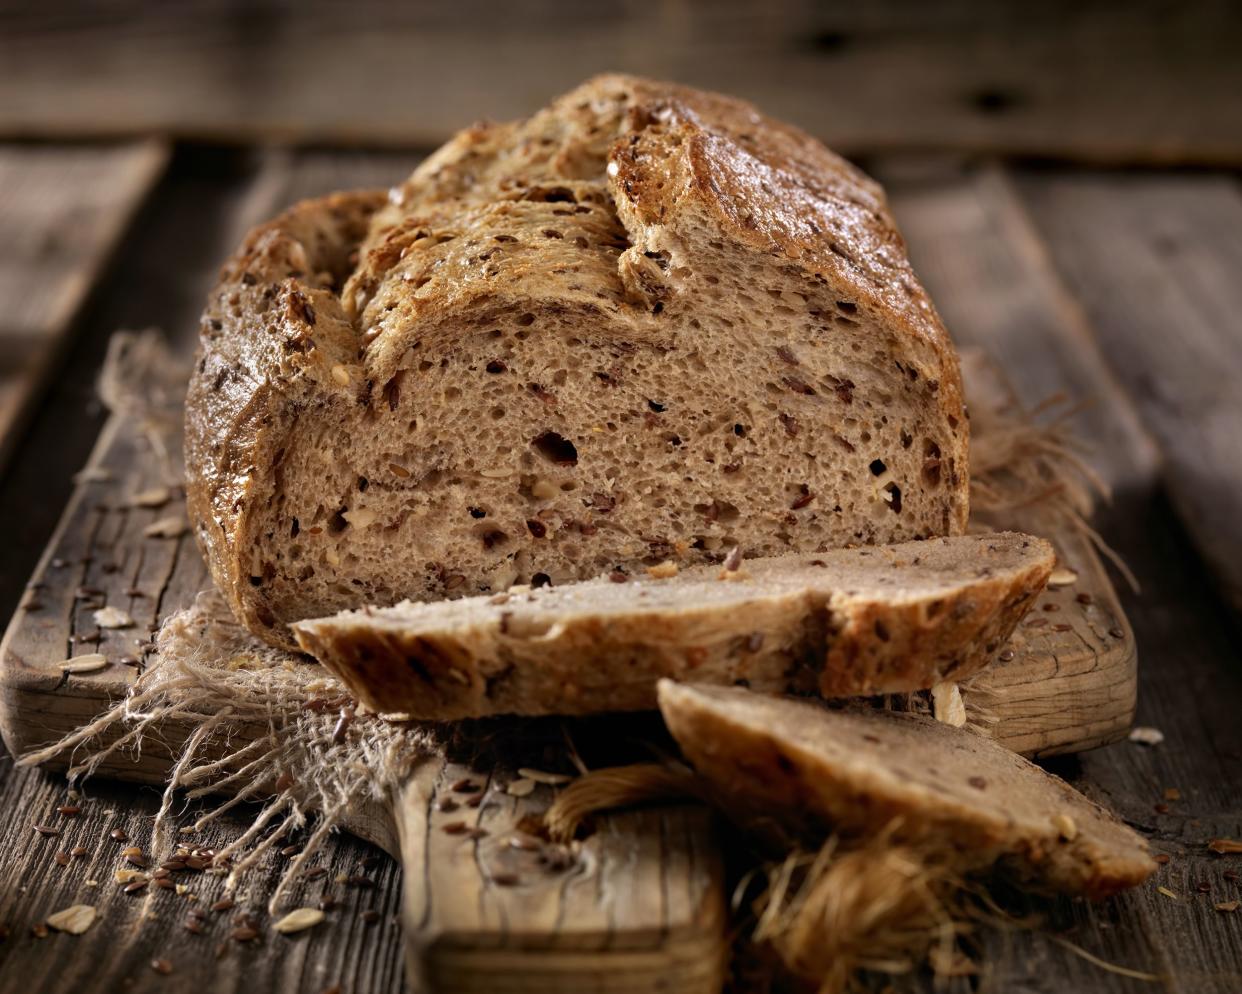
840 623
954 794
646 323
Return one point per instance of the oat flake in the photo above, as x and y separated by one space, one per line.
75 920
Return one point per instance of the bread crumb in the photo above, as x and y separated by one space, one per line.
1146 735
947 704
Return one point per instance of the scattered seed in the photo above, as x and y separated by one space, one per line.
77 852
113 617
62 858
224 904
163 883
1062 576
370 916
69 810
1172 794
244 933
298 921
39 930
1006 655
290 850
88 663
1167 893
1116 633
327 902
455 828
1225 846
46 830
520 788
506 879
75 919
663 571
316 872
1162 858
193 925
1146 735
1228 906
170 527
340 374
155 497
137 859
134 886
357 880
447 805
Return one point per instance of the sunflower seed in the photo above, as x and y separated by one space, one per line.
297 921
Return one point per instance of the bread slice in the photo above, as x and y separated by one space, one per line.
648 322
847 622
954 793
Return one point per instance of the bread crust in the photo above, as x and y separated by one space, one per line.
844 623
959 797
294 327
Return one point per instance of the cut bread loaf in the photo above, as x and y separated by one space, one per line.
949 791
648 322
840 623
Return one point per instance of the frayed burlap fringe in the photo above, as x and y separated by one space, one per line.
264 725
304 747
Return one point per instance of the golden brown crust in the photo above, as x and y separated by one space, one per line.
319 308
270 336
844 623
956 795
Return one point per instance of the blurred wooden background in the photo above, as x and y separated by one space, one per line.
1066 175
1141 81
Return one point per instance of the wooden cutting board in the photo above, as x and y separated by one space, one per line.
643 905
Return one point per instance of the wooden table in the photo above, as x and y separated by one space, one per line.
1118 288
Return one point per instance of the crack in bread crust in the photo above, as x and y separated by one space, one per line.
645 323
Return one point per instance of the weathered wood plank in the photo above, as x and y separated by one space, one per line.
135 929
989 273
999 284
1155 262
216 199
1147 81
63 211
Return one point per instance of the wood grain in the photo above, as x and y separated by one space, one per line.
1155 261
63 211
1142 81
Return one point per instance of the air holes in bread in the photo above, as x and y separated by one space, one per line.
555 448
